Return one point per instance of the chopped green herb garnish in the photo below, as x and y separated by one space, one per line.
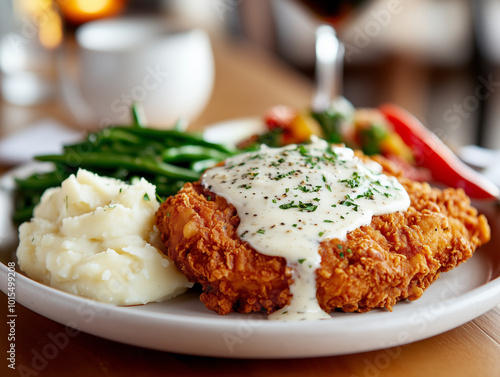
281 176
355 180
288 205
302 188
367 194
302 150
308 207
349 202
146 197
308 189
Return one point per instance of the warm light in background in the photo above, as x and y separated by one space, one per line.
50 32
43 16
80 11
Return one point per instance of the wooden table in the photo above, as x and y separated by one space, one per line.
248 81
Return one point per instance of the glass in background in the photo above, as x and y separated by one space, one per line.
31 34
330 51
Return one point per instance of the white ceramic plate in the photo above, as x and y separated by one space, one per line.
184 325
232 131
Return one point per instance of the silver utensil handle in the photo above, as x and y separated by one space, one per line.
329 67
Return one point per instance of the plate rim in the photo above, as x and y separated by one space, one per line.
481 299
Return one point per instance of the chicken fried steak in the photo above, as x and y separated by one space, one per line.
394 258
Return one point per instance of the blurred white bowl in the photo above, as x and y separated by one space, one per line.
167 69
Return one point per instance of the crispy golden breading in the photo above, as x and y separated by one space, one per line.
395 258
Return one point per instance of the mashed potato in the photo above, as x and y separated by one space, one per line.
95 237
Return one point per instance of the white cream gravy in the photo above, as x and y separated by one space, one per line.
291 199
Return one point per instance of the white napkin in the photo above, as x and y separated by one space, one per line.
46 136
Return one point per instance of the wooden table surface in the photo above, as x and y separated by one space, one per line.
248 81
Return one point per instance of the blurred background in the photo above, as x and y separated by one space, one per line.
429 56
440 59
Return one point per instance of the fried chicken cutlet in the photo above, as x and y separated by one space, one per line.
394 258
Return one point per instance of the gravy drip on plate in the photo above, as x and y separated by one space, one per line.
291 199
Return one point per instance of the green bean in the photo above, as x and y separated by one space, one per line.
123 135
192 153
166 158
23 214
185 137
40 181
202 165
171 188
110 160
25 201
137 116
179 126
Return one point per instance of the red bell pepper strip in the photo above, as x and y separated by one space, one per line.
431 153
280 116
